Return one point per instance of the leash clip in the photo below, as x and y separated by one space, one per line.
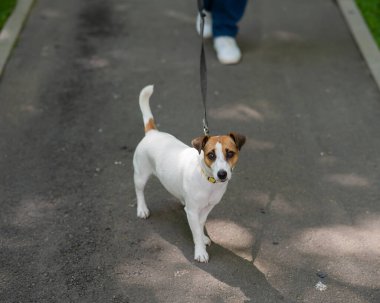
205 128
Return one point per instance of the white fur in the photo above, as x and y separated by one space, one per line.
179 168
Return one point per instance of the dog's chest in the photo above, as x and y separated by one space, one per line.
203 192
216 194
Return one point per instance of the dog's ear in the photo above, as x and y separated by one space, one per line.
199 143
238 139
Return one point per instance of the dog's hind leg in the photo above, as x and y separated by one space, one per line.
140 181
141 175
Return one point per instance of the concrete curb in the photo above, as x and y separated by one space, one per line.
363 37
12 29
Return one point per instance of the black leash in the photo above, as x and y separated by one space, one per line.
203 69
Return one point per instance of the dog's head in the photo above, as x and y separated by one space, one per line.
220 153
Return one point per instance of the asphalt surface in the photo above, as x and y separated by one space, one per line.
303 204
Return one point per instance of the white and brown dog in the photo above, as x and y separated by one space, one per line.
197 176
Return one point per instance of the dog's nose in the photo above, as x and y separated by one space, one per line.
222 174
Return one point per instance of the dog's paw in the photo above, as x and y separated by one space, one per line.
206 240
201 255
143 213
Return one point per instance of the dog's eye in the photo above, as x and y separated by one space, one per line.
229 154
211 156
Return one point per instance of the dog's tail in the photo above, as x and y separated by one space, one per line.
145 94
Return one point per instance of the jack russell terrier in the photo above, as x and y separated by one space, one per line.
196 176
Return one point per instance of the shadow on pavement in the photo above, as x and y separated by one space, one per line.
224 265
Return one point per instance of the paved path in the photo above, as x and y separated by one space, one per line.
304 199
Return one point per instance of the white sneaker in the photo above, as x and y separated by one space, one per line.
207 29
227 50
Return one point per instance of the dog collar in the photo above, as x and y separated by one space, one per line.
209 179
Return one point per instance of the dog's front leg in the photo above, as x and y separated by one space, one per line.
193 216
203 217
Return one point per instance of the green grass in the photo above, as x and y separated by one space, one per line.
371 12
6 8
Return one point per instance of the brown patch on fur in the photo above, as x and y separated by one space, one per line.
210 147
228 144
199 142
239 139
150 125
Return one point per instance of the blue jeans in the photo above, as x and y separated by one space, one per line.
225 16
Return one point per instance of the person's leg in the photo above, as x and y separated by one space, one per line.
225 16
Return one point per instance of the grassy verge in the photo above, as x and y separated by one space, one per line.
6 8
371 12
